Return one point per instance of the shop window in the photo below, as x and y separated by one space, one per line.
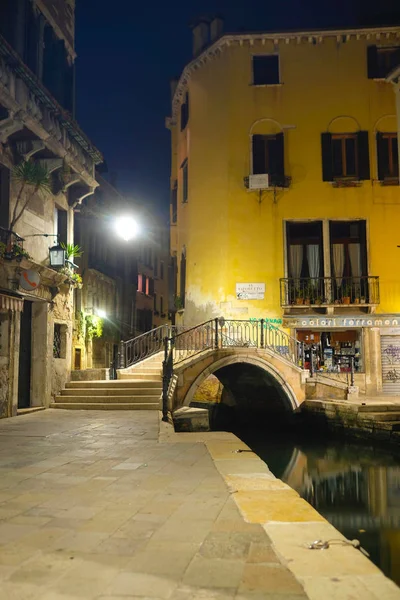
345 155
332 351
388 156
266 69
268 156
185 181
185 112
381 61
174 202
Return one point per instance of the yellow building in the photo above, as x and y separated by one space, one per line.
285 191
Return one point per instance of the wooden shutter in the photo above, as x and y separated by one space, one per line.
372 62
363 155
327 158
279 157
380 142
259 158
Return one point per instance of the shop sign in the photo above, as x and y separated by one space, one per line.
250 291
343 322
269 321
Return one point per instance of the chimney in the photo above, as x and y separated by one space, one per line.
216 28
201 34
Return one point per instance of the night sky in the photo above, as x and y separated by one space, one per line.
129 49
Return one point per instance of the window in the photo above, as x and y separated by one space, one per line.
305 249
381 61
268 156
149 286
266 69
183 278
57 341
185 112
61 224
388 156
348 250
140 286
155 303
345 155
185 186
161 305
174 202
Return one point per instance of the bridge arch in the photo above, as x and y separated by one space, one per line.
292 401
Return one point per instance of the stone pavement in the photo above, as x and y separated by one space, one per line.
92 506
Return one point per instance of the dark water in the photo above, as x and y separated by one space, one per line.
355 486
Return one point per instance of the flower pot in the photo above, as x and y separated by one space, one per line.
307 301
346 300
299 301
362 300
356 300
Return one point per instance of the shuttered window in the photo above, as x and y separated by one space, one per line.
185 112
345 156
174 202
185 181
268 156
388 156
381 61
266 69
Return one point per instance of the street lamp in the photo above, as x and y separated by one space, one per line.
57 256
101 313
126 227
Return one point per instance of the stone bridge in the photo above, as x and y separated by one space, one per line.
281 384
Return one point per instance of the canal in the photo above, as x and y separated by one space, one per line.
354 485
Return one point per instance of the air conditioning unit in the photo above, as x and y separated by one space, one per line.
259 182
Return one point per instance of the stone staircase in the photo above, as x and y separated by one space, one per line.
137 388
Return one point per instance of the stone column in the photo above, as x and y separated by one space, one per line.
42 355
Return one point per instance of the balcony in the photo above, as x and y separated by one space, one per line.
329 291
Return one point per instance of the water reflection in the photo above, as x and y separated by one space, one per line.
354 485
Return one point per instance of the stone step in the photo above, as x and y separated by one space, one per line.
382 416
139 376
111 399
112 384
120 391
104 406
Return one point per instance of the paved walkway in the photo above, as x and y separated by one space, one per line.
93 507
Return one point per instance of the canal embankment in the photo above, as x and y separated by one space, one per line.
291 523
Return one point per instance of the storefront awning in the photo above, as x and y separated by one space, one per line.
11 303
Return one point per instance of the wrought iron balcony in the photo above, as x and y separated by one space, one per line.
328 291
11 245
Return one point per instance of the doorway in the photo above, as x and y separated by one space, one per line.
25 355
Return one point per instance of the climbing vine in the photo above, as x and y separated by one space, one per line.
94 327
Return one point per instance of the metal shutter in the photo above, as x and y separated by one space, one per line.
390 349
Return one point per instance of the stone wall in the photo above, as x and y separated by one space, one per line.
4 383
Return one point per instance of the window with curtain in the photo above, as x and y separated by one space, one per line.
304 249
348 248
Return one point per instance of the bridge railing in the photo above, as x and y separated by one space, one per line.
145 345
221 333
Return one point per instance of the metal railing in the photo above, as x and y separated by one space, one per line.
219 333
145 345
323 291
12 244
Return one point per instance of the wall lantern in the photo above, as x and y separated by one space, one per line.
57 257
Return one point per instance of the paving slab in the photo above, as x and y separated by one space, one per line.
96 506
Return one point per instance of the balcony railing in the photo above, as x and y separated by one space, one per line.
11 245
325 291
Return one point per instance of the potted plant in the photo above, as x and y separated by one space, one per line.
299 296
346 293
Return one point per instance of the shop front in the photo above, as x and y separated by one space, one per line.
368 343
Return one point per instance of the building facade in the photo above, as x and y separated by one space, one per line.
285 191
47 167
124 289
